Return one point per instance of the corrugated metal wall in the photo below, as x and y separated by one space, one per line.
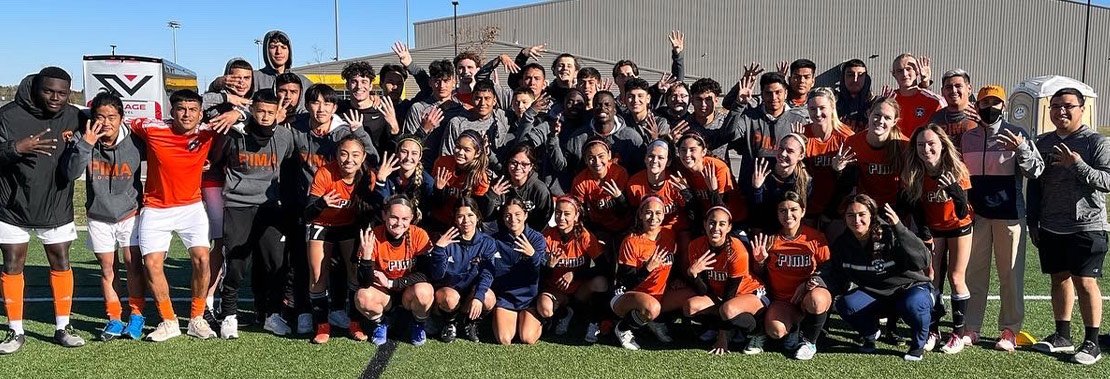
997 41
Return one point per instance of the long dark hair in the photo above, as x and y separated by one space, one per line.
874 226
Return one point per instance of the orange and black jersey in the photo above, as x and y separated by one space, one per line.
396 259
872 173
674 200
635 252
569 254
330 179
602 209
917 109
819 156
943 209
445 199
729 276
790 262
726 194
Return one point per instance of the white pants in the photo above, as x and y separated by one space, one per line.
14 235
106 237
190 222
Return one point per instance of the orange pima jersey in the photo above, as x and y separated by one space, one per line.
674 206
792 262
330 178
940 210
174 162
697 182
444 213
730 263
819 156
636 251
599 204
877 175
396 260
917 109
569 255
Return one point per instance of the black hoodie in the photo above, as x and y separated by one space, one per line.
34 193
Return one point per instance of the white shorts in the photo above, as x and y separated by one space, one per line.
155 225
213 198
105 237
14 235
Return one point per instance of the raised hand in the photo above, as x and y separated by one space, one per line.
1063 156
521 245
665 82
224 121
501 187
611 188
93 131
432 118
237 100
442 177
679 182
565 280
710 177
281 112
759 176
652 126
1009 140
507 62
542 103
607 85
402 53
844 157
701 264
783 68
534 52
366 246
972 114
448 238
333 200
390 114
887 92
657 259
946 179
390 163
759 247
353 119
679 129
799 128
678 41
890 214
925 68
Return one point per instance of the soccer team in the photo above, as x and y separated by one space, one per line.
618 203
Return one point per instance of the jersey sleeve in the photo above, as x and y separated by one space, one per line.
321 183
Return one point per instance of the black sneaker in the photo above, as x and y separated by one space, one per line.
1088 353
914 355
1054 343
449 333
471 330
68 338
892 338
12 342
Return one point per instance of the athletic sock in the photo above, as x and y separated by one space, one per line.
319 303
632 321
61 284
114 309
165 309
16 326
1090 333
744 322
210 302
1063 328
197 308
136 304
13 299
959 309
811 326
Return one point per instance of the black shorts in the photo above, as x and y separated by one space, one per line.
958 232
1081 253
332 234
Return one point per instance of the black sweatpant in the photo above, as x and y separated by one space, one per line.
254 233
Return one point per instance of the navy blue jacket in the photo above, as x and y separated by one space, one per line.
459 264
513 276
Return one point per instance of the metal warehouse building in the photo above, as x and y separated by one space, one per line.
996 41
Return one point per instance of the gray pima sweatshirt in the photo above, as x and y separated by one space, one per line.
1071 199
113 184
252 169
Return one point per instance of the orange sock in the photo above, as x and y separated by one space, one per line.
114 309
165 308
197 309
137 304
13 295
61 283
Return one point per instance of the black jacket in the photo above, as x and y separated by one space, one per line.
899 264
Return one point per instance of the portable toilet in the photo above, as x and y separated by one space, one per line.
1028 103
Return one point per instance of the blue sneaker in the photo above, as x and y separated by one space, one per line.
135 327
418 334
112 330
381 333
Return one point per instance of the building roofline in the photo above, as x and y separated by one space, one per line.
490 11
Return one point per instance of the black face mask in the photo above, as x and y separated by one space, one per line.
990 115
261 134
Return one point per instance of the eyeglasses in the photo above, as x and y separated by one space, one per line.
1067 107
519 164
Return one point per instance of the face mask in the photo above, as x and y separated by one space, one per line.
990 115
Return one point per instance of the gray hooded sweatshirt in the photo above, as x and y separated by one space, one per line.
113 184
266 77
252 165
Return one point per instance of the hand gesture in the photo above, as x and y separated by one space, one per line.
93 131
710 176
353 119
844 157
281 111
611 188
381 280
366 246
759 247
501 187
678 41
448 238
237 100
534 52
704 262
224 121
783 68
679 129
972 114
390 163
333 200
564 281
521 245
652 126
557 126
507 62
679 182
432 118
657 259
946 179
1009 140
542 103
890 214
443 175
390 114
607 85
665 82
402 53
926 68
759 176
1064 156
887 92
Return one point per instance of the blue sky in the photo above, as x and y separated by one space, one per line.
37 34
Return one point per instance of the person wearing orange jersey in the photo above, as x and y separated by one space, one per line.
568 275
871 161
706 177
825 135
935 182
644 265
463 174
916 103
727 296
788 258
601 189
660 181
389 270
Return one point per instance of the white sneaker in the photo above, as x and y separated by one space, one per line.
708 336
628 341
564 323
755 344
955 345
339 319
229 328
277 325
199 328
592 330
660 331
304 323
805 351
931 342
165 331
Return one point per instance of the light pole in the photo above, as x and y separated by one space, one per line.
1086 37
259 43
455 20
113 49
174 25
336 30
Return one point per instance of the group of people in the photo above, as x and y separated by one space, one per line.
618 203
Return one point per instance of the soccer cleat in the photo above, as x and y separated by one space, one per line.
67 337
592 331
931 341
660 331
1054 343
113 330
564 323
867 346
229 328
277 325
1088 353
955 344
135 327
166 330
304 323
627 340
805 351
914 355
708 336
323 332
1007 342
199 328
12 342
381 333
339 319
418 334
471 330
354 330
606 327
755 344
449 333
971 338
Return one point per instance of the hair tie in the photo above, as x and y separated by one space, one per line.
719 208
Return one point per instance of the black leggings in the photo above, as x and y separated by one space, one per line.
254 233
